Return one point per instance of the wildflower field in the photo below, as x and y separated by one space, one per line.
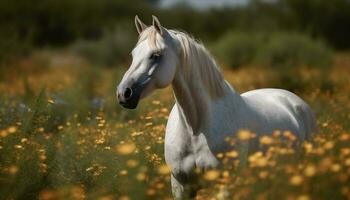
63 136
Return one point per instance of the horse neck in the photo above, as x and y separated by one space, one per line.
192 100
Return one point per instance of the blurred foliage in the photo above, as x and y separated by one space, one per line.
273 49
237 48
292 49
57 23
29 24
327 19
113 48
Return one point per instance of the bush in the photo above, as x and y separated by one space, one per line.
114 47
12 47
236 48
274 49
288 50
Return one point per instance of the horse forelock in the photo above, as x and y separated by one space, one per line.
150 34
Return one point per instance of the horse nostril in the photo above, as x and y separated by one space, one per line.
127 93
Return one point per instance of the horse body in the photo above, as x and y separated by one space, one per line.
261 111
207 109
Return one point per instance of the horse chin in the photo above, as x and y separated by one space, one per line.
140 92
131 105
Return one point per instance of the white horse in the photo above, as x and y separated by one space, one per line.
207 108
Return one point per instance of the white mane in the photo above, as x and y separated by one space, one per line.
196 61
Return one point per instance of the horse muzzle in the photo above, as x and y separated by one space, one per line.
129 97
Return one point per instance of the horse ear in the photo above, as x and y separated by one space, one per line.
157 25
140 26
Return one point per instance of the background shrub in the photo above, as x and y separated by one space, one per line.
293 49
113 47
277 50
236 48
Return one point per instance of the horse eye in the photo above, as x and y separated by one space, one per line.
154 56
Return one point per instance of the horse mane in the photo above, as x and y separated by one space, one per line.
196 61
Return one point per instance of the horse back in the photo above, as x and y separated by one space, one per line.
286 105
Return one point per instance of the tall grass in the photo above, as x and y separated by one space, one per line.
60 143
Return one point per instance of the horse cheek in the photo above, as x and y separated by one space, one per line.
165 76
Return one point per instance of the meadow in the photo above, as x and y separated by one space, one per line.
63 136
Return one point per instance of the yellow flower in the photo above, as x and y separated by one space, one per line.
151 192
3 133
48 194
310 170
289 135
326 163
244 135
296 180
149 124
261 162
220 155
335 167
263 174
123 172
160 185
100 141
132 163
266 140
329 145
100 124
232 154
125 149
303 197
123 198
226 174
276 133
51 101
13 169
163 169
156 102
147 147
345 151
347 162
141 176
78 192
211 175
12 129
164 110
344 137
308 147
133 134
